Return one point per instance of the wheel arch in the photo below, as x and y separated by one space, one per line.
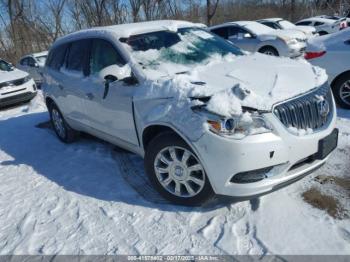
153 130
339 76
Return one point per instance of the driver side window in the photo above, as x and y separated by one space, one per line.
103 54
238 33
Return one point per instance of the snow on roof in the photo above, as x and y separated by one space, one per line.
276 19
126 30
319 19
253 26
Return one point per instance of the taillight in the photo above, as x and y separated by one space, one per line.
312 55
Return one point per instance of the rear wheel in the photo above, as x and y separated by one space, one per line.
269 50
64 132
176 172
341 91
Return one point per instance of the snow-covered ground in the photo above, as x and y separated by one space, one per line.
89 198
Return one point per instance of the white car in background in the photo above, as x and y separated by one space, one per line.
323 26
255 37
33 65
332 52
280 23
15 85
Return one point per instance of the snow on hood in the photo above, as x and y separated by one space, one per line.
256 81
15 74
286 34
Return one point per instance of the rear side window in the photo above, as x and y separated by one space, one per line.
304 23
56 57
103 54
77 55
319 23
223 32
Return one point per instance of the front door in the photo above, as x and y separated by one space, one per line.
110 110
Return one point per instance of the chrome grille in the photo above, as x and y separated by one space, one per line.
307 111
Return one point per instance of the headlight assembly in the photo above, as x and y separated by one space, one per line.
249 123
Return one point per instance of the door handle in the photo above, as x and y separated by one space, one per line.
89 96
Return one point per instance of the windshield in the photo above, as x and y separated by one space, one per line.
41 59
286 24
4 66
183 49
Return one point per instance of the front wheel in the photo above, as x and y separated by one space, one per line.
269 50
176 171
341 91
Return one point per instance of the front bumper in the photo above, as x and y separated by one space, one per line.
18 94
288 154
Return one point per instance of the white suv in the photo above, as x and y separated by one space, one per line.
33 64
16 86
206 118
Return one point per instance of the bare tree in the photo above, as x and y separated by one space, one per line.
211 10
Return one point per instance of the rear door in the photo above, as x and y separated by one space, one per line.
109 111
74 80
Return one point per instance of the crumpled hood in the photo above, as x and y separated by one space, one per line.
265 80
6 76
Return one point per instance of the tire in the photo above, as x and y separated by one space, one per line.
63 131
268 50
158 157
341 90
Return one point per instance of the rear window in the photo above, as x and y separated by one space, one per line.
78 55
56 57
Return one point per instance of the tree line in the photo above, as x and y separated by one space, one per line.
28 26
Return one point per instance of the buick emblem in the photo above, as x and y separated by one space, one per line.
323 108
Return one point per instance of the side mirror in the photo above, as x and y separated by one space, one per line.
36 65
115 73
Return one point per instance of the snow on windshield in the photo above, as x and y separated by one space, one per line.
167 53
41 59
286 24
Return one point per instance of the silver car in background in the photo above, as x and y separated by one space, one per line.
33 65
280 23
255 37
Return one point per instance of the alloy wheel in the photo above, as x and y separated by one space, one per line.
58 123
179 171
344 92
